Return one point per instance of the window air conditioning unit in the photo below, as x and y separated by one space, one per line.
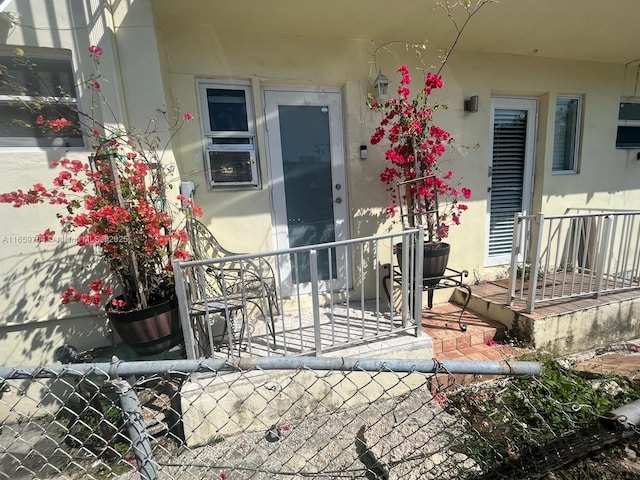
231 165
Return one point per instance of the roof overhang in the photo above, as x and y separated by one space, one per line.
564 29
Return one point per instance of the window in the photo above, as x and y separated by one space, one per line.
230 134
628 125
38 83
566 134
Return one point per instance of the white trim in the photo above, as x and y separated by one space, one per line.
272 97
577 140
4 5
530 105
209 136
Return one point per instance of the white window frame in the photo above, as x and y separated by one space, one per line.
574 161
249 149
635 124
18 101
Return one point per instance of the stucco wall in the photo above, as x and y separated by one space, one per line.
32 320
241 219
33 274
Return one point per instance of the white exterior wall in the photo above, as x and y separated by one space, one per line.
32 321
241 219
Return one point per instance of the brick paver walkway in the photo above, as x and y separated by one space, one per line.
484 340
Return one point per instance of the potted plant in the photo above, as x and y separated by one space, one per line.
118 205
419 188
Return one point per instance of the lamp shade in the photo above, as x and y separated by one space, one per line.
381 86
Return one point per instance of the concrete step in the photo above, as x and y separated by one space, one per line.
441 324
486 303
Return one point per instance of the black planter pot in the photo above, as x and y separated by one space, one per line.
435 260
149 331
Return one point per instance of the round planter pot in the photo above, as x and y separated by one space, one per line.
149 331
435 260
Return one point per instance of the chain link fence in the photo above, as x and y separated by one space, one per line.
297 418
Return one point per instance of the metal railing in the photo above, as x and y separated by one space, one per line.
583 254
323 298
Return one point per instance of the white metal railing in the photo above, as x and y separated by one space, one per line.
227 304
585 252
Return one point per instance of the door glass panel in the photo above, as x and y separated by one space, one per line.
306 161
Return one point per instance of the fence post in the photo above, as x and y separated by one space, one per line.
406 277
515 251
313 270
183 306
419 281
534 259
604 247
132 412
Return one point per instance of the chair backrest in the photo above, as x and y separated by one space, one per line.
253 279
203 243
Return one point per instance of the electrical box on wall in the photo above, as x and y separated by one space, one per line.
187 189
364 153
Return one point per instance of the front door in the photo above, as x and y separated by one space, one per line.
513 122
307 182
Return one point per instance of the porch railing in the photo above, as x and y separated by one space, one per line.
328 297
583 253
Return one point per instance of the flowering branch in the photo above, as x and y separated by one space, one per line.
118 203
415 146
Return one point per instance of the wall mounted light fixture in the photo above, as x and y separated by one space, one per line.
381 87
471 104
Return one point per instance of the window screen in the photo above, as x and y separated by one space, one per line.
231 167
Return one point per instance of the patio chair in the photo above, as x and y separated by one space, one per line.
250 280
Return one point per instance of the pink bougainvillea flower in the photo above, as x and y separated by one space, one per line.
181 254
414 148
59 124
197 211
46 236
392 210
117 207
118 303
95 50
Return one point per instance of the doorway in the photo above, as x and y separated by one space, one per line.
307 182
510 183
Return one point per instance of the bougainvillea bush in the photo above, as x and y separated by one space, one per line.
116 204
414 148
